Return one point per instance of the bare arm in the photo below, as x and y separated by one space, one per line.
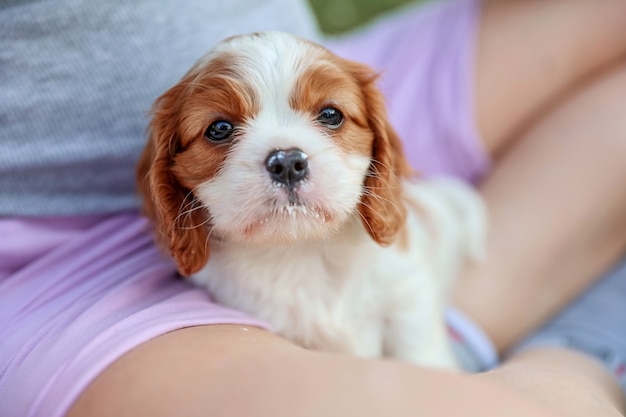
228 371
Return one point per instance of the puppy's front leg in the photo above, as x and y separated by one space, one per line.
416 331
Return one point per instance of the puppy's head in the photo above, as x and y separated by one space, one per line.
269 138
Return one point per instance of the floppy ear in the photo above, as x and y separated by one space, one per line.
381 207
171 207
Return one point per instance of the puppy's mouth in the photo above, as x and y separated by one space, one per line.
293 198
289 218
291 207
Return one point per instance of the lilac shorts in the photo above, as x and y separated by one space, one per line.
76 294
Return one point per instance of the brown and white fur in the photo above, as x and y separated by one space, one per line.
350 254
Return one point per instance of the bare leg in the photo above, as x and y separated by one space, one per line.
531 53
558 210
556 203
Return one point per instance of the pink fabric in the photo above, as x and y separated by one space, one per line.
425 56
76 294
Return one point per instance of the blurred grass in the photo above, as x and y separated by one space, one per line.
337 16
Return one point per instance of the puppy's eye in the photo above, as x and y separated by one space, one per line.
330 117
219 131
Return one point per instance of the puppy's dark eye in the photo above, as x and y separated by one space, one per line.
330 117
219 131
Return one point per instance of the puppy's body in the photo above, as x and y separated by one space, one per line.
276 157
348 294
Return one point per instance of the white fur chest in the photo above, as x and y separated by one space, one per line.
348 294
323 295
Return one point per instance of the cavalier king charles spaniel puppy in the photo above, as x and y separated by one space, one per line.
273 177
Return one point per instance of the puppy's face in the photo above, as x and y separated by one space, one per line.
269 138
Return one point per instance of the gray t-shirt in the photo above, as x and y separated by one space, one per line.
78 77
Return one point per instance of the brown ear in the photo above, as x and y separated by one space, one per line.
382 209
178 221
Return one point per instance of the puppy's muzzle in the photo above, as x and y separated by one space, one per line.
287 167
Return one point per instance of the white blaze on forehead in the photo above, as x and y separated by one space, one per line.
270 64
273 61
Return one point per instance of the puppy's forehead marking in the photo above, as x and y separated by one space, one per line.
271 64
273 60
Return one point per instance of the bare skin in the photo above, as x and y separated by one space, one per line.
565 380
228 371
569 222
549 86
533 54
558 172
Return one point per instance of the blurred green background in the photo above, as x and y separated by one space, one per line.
336 16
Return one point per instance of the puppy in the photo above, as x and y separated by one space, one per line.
273 177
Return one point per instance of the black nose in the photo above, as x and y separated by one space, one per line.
287 166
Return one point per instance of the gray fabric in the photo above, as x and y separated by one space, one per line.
77 78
